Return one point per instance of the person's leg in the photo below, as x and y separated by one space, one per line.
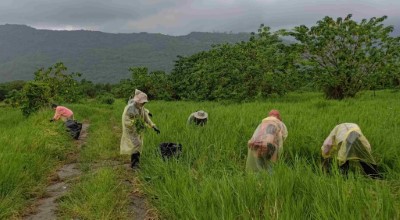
326 165
135 160
344 169
371 170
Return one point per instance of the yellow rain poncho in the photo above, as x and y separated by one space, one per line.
266 144
134 120
346 142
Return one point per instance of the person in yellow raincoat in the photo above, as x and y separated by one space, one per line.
348 145
266 144
134 119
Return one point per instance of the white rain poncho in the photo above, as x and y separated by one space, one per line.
347 142
134 120
266 144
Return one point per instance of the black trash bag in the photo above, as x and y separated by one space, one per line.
74 128
169 150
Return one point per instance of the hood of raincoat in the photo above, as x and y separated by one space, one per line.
140 97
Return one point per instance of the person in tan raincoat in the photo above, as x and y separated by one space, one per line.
134 119
266 144
347 144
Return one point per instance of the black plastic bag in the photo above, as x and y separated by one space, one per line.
74 128
169 150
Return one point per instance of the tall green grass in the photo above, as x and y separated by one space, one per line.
101 192
30 150
208 181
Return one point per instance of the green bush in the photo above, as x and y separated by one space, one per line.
13 98
106 99
34 96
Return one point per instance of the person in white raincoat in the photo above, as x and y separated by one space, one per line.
347 144
266 144
134 120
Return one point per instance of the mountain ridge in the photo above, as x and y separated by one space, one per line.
100 56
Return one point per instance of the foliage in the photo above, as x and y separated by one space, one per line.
91 90
244 71
208 181
30 152
346 56
34 96
8 87
14 98
63 86
106 98
123 89
212 162
156 84
102 57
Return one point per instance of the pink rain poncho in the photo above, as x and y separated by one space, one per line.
266 144
63 113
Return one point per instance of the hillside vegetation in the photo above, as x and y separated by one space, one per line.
102 57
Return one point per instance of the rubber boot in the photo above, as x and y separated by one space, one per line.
135 160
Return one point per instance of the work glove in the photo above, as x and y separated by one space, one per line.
156 130
51 120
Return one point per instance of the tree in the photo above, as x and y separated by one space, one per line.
63 86
10 87
345 56
156 84
242 71
35 95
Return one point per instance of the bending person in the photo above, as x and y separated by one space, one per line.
62 113
349 146
198 118
266 144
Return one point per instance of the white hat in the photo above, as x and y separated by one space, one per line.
200 114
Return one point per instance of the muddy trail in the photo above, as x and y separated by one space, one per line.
46 208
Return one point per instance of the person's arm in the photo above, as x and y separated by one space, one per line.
284 131
147 119
190 119
131 111
328 143
327 146
57 114
150 123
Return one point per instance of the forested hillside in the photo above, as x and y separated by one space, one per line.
101 57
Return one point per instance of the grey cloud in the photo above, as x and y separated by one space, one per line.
177 17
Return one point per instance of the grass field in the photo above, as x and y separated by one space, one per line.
208 181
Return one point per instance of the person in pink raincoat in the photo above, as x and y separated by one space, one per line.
266 144
62 113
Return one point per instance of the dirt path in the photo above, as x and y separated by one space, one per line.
138 205
45 208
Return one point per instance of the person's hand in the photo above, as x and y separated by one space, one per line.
51 120
156 130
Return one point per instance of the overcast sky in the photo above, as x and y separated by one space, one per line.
180 17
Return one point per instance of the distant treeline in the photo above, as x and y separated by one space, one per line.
337 56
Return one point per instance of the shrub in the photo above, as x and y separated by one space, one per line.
106 99
34 96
